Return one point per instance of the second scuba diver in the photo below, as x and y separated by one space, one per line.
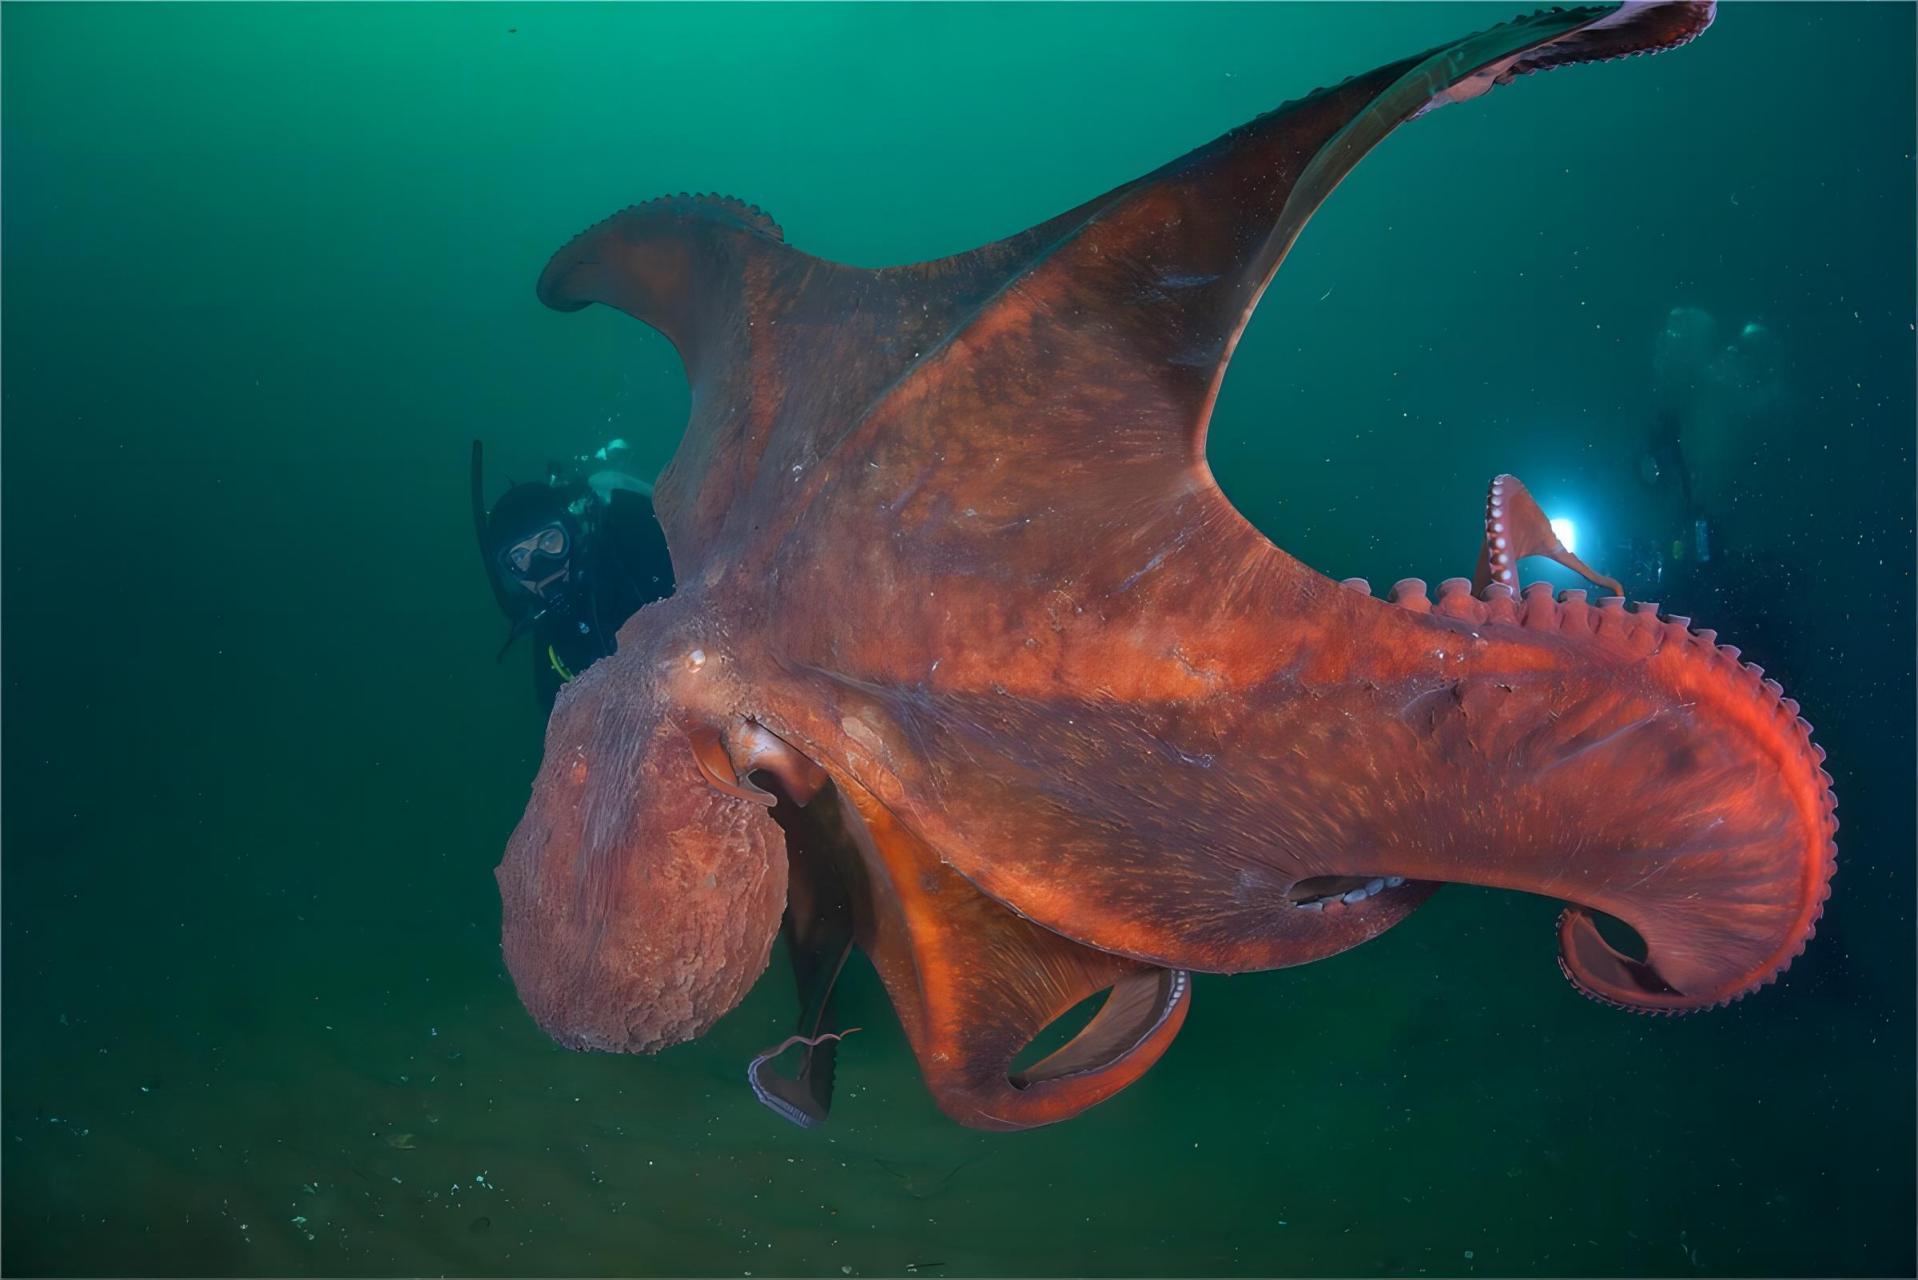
1718 452
1715 399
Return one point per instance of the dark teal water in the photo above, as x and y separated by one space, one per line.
268 269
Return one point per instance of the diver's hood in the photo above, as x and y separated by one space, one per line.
521 512
523 509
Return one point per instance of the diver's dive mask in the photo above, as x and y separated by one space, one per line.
539 562
531 544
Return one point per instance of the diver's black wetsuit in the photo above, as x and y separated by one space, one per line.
1691 565
622 566
569 560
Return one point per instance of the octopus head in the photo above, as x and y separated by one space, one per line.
639 902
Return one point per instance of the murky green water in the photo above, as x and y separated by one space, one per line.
268 269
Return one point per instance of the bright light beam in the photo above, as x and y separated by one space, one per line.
1567 531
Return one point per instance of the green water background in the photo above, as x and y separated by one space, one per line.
268 269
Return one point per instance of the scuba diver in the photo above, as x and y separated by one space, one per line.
570 559
1714 398
1709 473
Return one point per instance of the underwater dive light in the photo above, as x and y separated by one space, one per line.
1567 530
